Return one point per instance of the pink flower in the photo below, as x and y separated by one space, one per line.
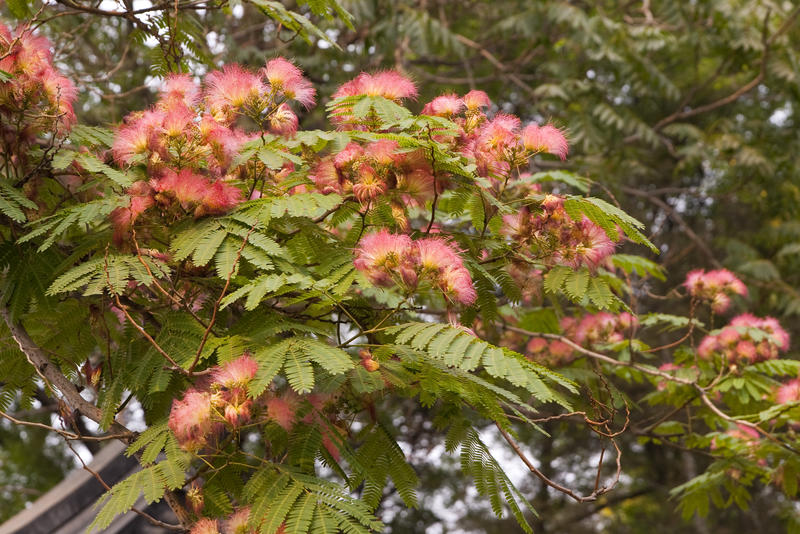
476 99
456 283
368 185
536 345
779 335
179 88
746 350
344 159
594 246
382 151
560 350
716 286
737 342
219 198
61 93
417 183
284 76
444 106
437 258
388 84
205 526
381 254
194 190
238 414
190 419
707 347
187 187
545 138
177 121
137 138
788 392
694 281
283 121
499 132
325 177
141 198
236 373
237 522
283 410
230 89
435 254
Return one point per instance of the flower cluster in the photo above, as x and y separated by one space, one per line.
204 413
498 144
588 331
788 392
188 140
395 259
236 523
746 339
377 169
388 84
37 96
223 403
549 235
715 286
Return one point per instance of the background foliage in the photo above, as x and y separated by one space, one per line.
684 113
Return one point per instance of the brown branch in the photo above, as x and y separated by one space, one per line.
497 63
673 214
555 485
702 391
735 95
166 293
70 436
53 376
219 300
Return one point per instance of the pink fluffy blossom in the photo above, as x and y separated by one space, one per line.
382 151
368 185
381 256
594 245
344 159
283 410
191 419
444 106
439 258
237 522
545 138
180 88
236 373
743 340
715 286
325 177
475 100
194 190
284 76
788 392
205 526
388 84
141 198
230 89
138 137
36 88
283 121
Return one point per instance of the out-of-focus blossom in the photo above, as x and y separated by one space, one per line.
746 339
545 138
715 286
